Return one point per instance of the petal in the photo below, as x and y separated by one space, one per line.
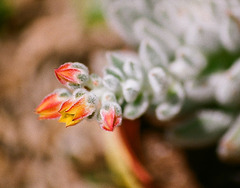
117 121
81 109
66 105
68 119
48 103
108 119
65 66
66 73
49 116
79 105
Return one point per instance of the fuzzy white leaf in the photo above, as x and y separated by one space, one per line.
130 89
206 127
158 80
146 29
166 111
182 69
229 147
135 110
117 73
95 81
152 55
79 92
122 15
230 31
115 59
174 15
111 83
108 97
227 90
188 64
203 37
133 70
172 104
199 91
234 71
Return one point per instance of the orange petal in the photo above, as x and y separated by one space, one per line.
49 116
81 109
50 105
66 105
49 102
65 73
81 103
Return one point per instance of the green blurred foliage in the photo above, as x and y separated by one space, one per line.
5 13
90 12
93 13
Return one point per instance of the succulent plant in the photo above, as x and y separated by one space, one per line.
187 67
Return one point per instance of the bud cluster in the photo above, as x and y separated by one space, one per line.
88 99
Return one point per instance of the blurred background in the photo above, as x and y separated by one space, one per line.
37 36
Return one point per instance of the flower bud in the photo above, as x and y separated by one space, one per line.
72 74
78 108
48 108
110 116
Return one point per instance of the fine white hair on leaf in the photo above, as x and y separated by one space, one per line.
111 83
152 54
132 69
201 91
230 33
166 111
136 109
158 81
130 90
172 104
203 128
229 147
145 29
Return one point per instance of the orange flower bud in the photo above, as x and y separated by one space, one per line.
72 74
50 105
110 117
74 110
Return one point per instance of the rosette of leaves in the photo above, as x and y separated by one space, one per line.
196 46
187 67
